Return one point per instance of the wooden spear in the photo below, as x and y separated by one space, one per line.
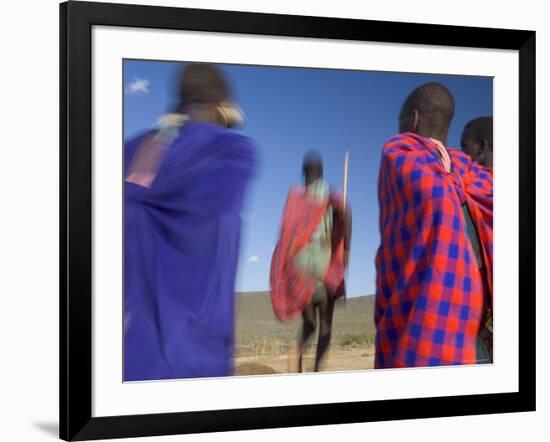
346 158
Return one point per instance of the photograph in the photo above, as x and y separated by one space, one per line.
281 220
274 220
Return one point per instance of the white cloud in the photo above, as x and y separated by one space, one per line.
254 259
138 86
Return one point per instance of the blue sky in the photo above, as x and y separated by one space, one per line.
292 110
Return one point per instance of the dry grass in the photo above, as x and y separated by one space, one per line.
357 340
263 342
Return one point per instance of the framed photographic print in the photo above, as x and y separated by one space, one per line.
273 220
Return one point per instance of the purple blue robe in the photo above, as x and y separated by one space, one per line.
180 256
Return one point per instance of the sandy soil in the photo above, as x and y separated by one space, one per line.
337 359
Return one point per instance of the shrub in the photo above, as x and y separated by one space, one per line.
357 340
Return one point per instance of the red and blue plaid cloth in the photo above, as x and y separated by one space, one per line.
429 289
292 290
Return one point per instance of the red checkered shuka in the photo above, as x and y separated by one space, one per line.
429 289
291 289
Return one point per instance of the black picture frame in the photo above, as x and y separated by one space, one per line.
76 21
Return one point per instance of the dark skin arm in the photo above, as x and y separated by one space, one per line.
347 235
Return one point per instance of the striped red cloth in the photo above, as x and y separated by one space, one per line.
292 290
429 289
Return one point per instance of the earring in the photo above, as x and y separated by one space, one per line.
221 110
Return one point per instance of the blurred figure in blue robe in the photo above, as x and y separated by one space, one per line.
184 187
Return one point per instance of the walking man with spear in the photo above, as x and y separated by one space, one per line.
309 261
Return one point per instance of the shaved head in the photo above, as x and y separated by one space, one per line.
312 166
205 95
477 140
428 111
202 83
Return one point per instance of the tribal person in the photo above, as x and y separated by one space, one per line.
477 141
184 189
434 263
307 268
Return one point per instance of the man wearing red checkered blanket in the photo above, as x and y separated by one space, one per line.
435 261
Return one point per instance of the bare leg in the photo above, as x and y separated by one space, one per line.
326 310
308 328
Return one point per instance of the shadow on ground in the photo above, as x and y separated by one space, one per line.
50 428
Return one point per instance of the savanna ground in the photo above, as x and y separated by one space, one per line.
264 343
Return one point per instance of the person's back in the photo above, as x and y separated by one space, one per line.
307 268
181 249
181 254
430 287
314 258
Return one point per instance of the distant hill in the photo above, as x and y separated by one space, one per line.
353 322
